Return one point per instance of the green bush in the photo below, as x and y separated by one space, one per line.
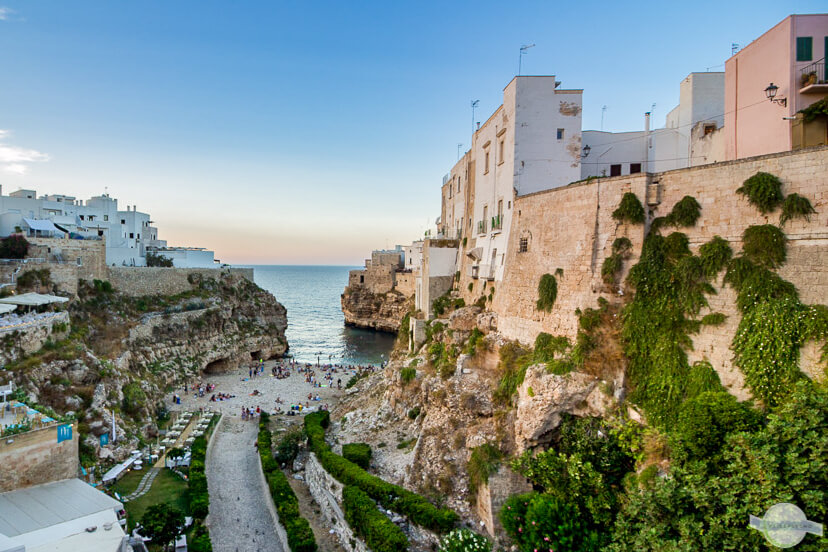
715 255
134 398
547 292
796 206
475 338
629 210
358 453
763 191
543 522
408 374
158 260
483 462
705 421
415 507
379 533
298 530
685 213
288 447
713 319
14 247
414 413
441 304
764 245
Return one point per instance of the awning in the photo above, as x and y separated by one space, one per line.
42 225
32 299
6 308
476 253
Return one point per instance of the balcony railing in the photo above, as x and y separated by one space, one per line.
497 222
481 226
812 78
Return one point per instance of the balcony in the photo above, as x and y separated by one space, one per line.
812 78
481 226
497 222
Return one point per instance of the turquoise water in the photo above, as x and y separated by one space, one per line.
316 325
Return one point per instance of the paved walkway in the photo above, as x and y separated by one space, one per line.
240 519
143 486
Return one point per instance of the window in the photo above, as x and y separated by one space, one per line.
709 128
131 235
560 134
123 221
523 246
106 217
502 149
100 232
81 217
804 48
486 166
361 279
458 185
615 170
635 168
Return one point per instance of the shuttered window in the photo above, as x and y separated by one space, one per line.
804 48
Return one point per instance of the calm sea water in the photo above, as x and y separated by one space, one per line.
316 325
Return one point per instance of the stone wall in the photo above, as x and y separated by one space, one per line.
327 493
88 255
35 457
140 281
406 283
65 276
572 229
492 494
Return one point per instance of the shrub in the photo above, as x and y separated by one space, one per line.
705 421
415 507
288 447
763 191
463 540
407 375
358 453
483 462
14 247
441 305
685 213
715 255
379 533
134 398
548 346
414 413
629 210
764 245
543 522
514 360
32 278
298 530
547 292
156 259
796 206
475 338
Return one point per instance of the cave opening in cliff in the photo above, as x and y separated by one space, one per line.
220 366
255 355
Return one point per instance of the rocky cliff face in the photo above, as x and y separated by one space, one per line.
383 312
124 353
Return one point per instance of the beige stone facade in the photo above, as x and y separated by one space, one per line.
36 457
571 229
140 281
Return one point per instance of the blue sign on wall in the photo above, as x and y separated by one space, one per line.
64 433
104 439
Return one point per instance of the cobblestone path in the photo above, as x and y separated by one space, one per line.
240 520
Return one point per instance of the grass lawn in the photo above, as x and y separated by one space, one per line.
167 487
129 482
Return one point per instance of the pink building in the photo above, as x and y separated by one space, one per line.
791 56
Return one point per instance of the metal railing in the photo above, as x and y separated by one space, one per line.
481 226
812 74
497 222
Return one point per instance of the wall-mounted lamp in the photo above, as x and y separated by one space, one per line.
771 91
587 149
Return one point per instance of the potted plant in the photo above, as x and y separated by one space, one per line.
808 78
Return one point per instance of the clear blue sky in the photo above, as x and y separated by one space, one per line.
313 132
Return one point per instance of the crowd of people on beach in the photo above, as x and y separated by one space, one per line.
317 376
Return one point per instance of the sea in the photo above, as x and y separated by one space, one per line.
316 326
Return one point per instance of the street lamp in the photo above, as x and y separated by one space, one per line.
771 91
587 149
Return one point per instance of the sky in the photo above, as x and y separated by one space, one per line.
310 132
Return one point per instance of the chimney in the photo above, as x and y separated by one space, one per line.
647 142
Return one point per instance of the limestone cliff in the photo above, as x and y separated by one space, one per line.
376 311
123 353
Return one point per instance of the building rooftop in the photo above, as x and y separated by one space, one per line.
42 506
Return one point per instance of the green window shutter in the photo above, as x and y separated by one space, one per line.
804 48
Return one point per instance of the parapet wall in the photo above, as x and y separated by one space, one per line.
327 493
140 281
572 229
35 457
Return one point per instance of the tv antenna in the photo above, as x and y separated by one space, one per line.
459 145
520 57
603 111
474 104
734 48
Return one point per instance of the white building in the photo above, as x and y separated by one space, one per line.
700 113
62 516
530 143
128 234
